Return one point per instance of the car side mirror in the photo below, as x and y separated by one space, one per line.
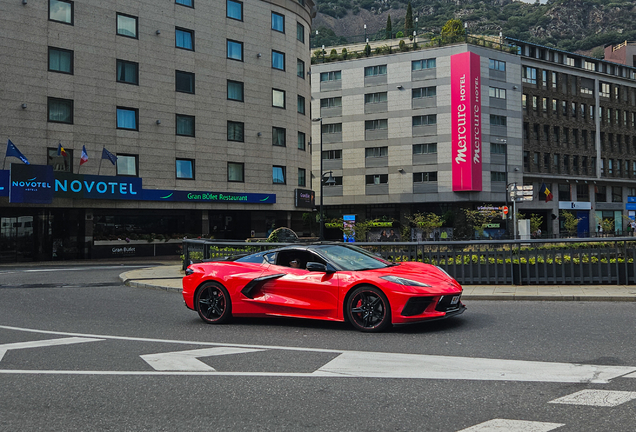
319 267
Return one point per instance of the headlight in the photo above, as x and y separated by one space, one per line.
403 281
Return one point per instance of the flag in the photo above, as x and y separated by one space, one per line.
13 151
84 157
108 155
545 193
61 151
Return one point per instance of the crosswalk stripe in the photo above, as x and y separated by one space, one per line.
600 398
504 425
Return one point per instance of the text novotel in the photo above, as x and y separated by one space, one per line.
100 187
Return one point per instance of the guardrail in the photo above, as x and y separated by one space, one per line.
599 261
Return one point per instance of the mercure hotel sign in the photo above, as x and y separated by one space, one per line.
466 122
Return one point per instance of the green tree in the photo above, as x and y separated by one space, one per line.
389 28
453 31
571 223
478 219
359 230
427 222
408 20
367 50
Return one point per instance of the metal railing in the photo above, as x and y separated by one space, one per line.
498 262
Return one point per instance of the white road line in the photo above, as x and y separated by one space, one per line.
43 343
503 425
187 360
632 375
600 398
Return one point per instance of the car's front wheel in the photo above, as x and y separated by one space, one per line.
213 303
368 309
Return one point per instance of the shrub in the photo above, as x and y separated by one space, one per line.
367 50
345 53
399 34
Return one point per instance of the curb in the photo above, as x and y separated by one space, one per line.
513 297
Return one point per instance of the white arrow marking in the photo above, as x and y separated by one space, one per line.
504 425
187 360
388 365
44 343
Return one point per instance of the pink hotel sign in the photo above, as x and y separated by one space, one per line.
466 121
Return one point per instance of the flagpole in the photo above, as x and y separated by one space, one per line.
3 162
100 162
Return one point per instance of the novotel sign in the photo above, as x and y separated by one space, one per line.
466 122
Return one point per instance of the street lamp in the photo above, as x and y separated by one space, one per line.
329 182
365 33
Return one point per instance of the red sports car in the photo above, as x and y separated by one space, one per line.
335 282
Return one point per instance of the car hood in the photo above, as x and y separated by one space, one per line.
420 272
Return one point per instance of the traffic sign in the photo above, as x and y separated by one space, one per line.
505 210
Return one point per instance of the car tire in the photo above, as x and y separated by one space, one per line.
368 309
213 303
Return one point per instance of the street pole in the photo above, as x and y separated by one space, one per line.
321 236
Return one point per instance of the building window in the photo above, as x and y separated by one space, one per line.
496 148
529 75
61 11
279 136
554 80
425 177
497 93
301 177
234 10
332 128
375 179
370 98
235 90
234 50
127 25
330 76
278 60
60 160
127 165
184 82
278 174
604 90
425 120
331 102
374 152
60 110
301 141
188 3
376 124
564 192
557 163
301 104
60 60
600 193
300 68
375 70
278 22
127 118
184 39
497 120
582 193
497 65
425 148
278 98
185 125
184 169
423 92
331 154
235 172
497 176
235 131
423 64
300 32
127 72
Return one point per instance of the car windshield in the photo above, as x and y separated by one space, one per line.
352 258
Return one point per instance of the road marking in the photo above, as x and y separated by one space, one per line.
632 375
44 343
187 360
503 425
600 398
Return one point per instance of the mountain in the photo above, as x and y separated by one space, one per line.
571 25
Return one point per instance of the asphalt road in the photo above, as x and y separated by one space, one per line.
97 379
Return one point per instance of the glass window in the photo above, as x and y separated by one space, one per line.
301 176
127 72
529 75
184 82
185 125
331 154
278 174
278 60
60 110
278 22
235 10
377 179
425 120
60 160
497 93
235 131
423 64
496 148
234 50
497 65
235 90
331 102
127 118
189 3
496 176
278 98
127 165
332 128
126 25
375 70
60 60
373 152
331 76
235 172
185 169
300 68
301 104
301 141
376 124
184 39
497 120
300 32
369 98
61 11
425 177
423 92
279 136
425 148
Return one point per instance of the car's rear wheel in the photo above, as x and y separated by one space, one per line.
368 309
213 303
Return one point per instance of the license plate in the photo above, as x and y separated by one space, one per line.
455 300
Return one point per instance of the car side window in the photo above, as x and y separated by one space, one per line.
269 258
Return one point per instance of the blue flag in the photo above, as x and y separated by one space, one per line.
13 151
108 155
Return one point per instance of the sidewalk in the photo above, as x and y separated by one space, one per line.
168 277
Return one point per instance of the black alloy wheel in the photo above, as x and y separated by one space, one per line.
368 309
213 303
